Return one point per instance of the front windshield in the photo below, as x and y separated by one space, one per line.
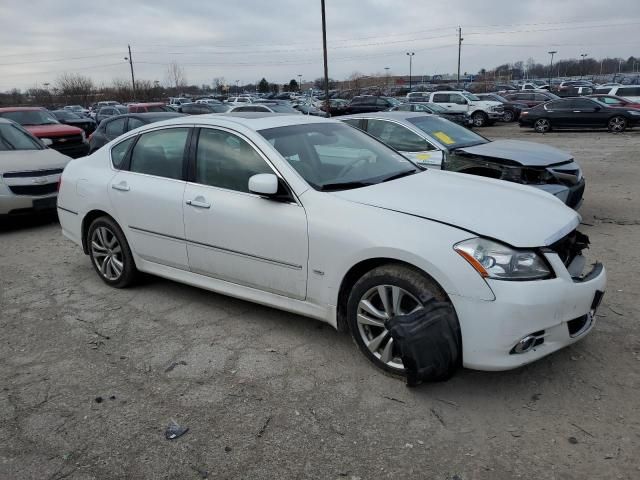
13 138
436 108
31 117
471 96
66 115
332 156
449 134
283 109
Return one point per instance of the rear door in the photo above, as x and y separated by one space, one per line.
588 113
147 195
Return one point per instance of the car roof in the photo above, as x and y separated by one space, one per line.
395 115
20 109
251 120
146 104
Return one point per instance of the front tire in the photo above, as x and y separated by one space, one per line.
387 291
617 124
480 119
542 125
110 253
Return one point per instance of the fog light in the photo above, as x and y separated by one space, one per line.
528 343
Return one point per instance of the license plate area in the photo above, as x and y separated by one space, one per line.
44 203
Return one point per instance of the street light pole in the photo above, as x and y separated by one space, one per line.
237 87
299 82
552 53
410 54
582 69
326 65
387 76
459 52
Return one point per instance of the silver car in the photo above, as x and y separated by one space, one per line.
29 171
435 142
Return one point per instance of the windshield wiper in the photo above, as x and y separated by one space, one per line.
400 175
343 186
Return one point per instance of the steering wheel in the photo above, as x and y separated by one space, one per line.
347 168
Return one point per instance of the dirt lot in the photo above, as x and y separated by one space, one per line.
270 395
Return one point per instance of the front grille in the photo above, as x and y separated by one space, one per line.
570 246
66 140
34 189
33 173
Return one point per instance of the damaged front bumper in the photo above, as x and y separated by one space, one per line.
555 312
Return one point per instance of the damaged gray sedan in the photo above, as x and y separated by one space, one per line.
434 142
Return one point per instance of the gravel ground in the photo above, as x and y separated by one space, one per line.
91 376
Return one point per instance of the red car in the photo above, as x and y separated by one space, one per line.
615 101
68 140
149 107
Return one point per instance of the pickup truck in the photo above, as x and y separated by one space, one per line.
482 112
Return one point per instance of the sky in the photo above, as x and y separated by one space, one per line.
246 40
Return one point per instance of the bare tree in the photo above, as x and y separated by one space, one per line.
77 88
176 77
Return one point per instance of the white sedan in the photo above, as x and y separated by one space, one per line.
316 217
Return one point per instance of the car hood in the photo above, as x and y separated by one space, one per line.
53 130
25 160
518 215
525 153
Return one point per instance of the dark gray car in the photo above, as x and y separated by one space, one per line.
432 141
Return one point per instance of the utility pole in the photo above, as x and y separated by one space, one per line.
327 103
459 52
552 53
582 64
411 54
133 79
387 76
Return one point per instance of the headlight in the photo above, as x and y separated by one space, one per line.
495 260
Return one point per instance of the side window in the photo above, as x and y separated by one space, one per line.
629 91
119 151
581 104
225 160
115 128
160 153
457 98
397 136
381 102
557 105
539 97
134 123
354 122
441 98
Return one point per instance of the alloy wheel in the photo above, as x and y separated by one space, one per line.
377 305
507 116
479 120
106 253
542 125
617 124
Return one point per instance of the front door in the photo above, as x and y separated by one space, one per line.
235 235
147 195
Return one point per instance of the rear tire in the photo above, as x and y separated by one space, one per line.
412 288
617 124
542 125
110 253
508 116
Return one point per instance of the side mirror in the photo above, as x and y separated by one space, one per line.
264 184
47 142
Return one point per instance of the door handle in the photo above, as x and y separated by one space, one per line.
122 186
198 204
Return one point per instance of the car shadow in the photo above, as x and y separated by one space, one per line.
23 222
